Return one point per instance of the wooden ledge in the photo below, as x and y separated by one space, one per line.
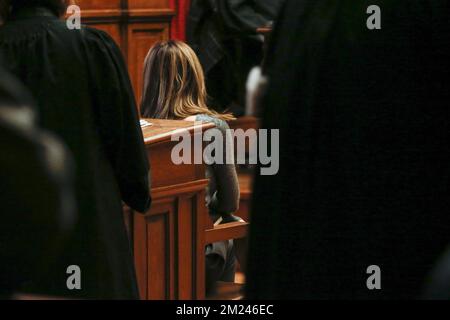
227 291
163 130
228 231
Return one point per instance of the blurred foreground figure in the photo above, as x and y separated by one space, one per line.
365 159
83 91
437 286
36 195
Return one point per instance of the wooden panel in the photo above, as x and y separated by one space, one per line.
140 253
161 165
154 251
160 252
201 216
135 25
113 30
98 4
186 242
169 245
141 37
158 139
99 9
144 4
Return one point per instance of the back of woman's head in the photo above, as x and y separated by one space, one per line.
174 83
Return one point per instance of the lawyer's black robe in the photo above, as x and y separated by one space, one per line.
84 96
364 155
223 34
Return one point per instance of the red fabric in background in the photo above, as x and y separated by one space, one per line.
178 28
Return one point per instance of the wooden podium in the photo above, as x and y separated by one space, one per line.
169 241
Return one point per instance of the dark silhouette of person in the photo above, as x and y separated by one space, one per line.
224 35
84 96
364 152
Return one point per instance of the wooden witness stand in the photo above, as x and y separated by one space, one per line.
169 240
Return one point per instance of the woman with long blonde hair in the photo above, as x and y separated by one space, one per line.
174 88
174 84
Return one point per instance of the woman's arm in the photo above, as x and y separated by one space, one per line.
226 198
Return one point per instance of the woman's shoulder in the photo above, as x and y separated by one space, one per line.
219 123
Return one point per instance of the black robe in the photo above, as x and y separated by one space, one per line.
84 96
364 151
223 34
33 166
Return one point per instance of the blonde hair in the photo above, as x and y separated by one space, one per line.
174 83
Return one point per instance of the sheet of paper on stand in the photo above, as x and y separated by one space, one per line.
145 124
